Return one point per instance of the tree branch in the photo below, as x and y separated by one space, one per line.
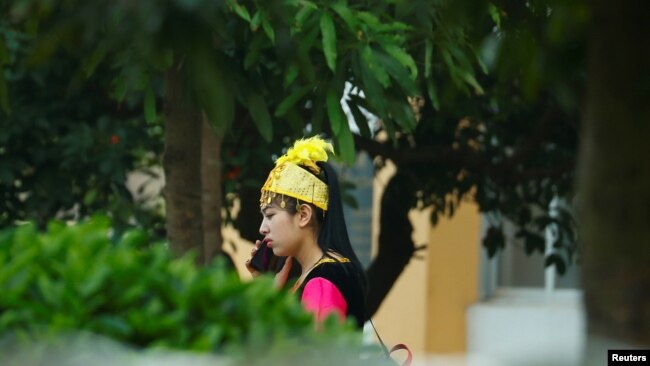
505 172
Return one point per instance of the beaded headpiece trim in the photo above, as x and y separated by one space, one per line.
290 179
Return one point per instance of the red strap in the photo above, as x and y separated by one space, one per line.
400 346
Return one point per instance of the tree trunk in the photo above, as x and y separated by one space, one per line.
211 184
182 167
613 177
396 246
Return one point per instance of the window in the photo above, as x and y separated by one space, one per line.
513 268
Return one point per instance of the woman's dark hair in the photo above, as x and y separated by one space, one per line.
333 234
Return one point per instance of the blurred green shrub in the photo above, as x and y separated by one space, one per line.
79 278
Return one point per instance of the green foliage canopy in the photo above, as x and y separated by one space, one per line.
278 59
65 145
491 74
505 136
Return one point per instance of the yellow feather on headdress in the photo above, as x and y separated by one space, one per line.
307 152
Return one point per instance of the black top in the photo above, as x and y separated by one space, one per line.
341 274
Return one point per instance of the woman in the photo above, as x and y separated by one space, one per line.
303 221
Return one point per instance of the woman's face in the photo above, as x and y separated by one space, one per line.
281 229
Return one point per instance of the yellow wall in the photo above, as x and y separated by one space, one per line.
239 250
452 276
426 307
401 316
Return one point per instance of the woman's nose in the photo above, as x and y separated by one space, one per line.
264 229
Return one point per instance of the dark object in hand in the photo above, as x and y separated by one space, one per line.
265 261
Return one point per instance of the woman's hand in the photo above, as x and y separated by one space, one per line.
281 277
250 269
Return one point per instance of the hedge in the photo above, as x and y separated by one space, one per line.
79 278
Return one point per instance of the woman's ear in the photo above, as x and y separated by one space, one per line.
305 213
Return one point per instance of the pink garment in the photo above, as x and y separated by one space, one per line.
322 298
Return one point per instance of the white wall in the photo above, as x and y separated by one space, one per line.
528 327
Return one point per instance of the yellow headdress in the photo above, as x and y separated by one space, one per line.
288 179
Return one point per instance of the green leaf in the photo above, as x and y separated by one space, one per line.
256 21
268 29
345 143
428 52
402 57
89 197
209 337
398 72
389 127
371 63
431 88
402 114
120 88
461 57
371 20
134 238
335 113
254 51
373 92
94 279
214 94
111 324
455 72
463 68
471 80
303 14
90 63
558 261
494 240
288 102
378 26
495 14
532 242
344 12
360 101
329 40
241 10
290 75
149 106
48 290
446 56
479 60
303 57
260 114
